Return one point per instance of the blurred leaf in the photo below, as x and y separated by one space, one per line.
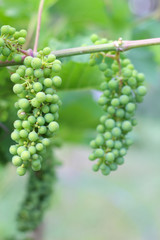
80 76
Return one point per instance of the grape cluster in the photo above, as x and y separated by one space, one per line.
122 89
11 42
39 191
35 85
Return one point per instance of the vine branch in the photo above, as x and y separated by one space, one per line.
116 46
38 25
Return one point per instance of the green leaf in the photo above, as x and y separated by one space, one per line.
80 76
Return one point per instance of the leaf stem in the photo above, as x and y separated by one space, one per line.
116 46
38 25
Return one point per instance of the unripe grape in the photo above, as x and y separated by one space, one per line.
17 124
13 149
47 82
33 136
32 150
95 167
39 146
130 107
36 63
23 103
40 96
110 157
38 73
99 153
15 77
124 99
113 166
51 58
15 135
140 77
46 141
21 171
110 123
93 144
102 100
91 157
141 90
5 29
99 140
42 130
23 133
35 103
116 132
102 66
53 126
23 33
106 171
120 160
32 119
127 126
27 61
110 143
21 40
107 135
20 150
56 67
25 155
57 81
46 51
49 117
126 90
18 88
100 128
115 102
16 160
94 38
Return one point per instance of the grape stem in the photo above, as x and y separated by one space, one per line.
38 25
116 46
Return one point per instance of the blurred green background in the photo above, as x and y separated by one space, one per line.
86 205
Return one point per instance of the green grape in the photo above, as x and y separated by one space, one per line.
39 146
99 153
23 103
110 123
33 136
21 40
127 126
16 160
20 150
41 97
6 51
36 63
21 171
17 124
25 155
23 133
53 126
110 157
15 77
18 88
47 82
57 81
49 117
13 149
141 90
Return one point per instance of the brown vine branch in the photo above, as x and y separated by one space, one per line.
116 46
38 25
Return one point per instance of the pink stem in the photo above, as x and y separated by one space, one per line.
38 25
